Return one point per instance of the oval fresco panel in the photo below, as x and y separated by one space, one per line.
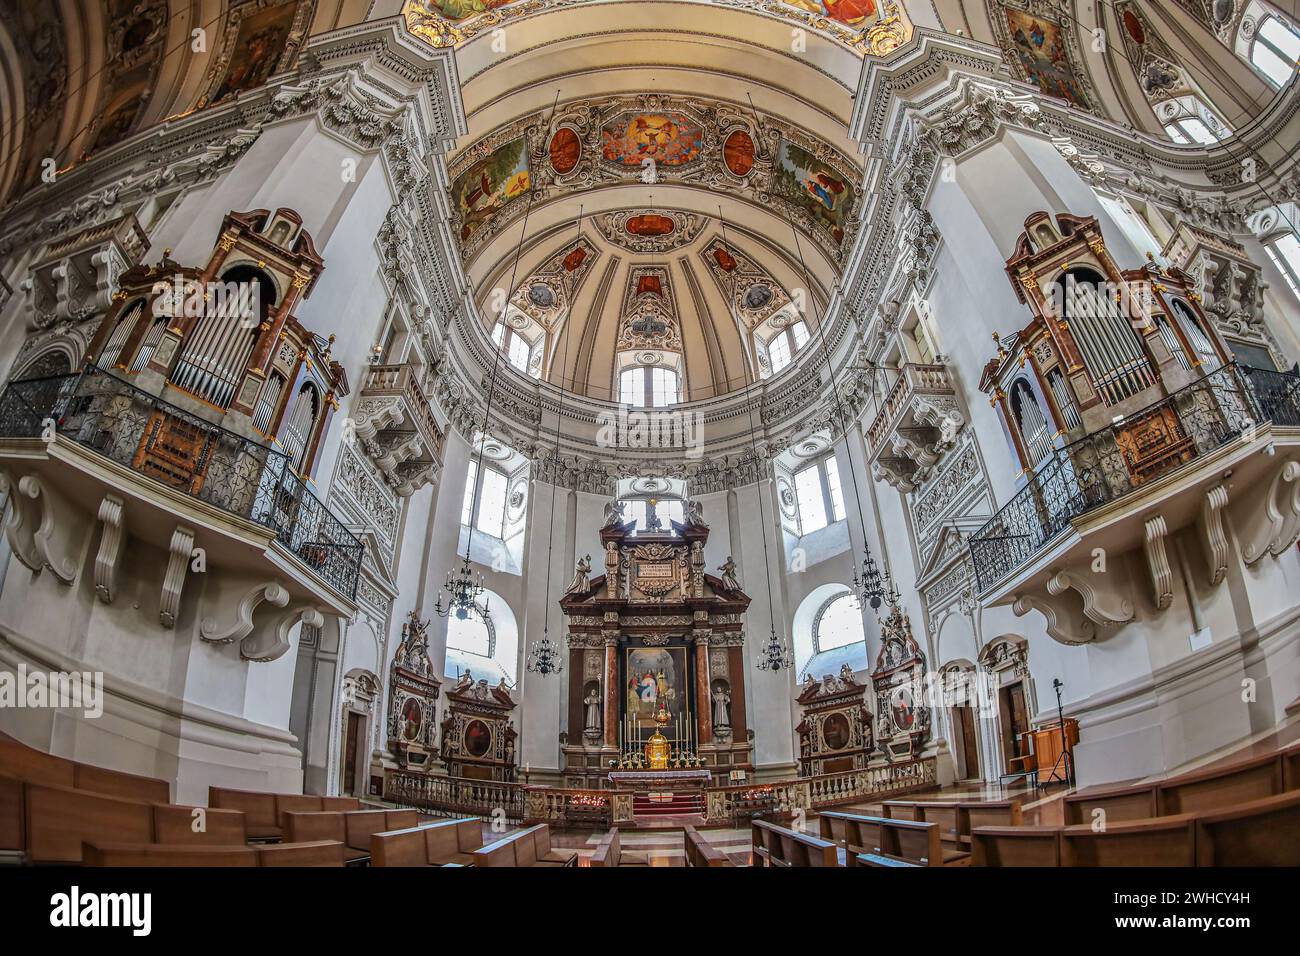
649 224
566 149
738 153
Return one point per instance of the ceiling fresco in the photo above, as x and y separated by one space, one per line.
868 27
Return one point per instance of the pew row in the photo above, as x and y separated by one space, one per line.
699 852
323 853
265 811
430 844
956 817
779 846
885 841
26 764
1264 832
528 847
610 852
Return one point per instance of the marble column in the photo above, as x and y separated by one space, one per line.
611 688
703 699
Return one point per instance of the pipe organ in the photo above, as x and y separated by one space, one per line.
1102 344
221 341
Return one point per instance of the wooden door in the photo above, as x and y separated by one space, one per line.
356 723
969 743
1015 719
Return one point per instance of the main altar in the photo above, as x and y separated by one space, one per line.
656 658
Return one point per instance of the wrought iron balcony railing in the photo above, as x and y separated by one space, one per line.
1110 463
162 442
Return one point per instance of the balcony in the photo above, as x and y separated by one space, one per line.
268 505
916 424
397 428
1166 464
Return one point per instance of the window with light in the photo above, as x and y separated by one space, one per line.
818 494
1275 51
485 512
649 387
785 345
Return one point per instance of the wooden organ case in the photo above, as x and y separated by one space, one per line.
654 629
835 732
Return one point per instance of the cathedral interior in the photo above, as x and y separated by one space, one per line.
650 433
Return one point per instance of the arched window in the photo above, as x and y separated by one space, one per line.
484 506
487 649
643 386
786 343
300 424
828 632
1188 120
652 514
1275 49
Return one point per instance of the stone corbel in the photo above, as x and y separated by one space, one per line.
1162 576
43 544
271 592
19 526
1271 523
112 540
1213 536
1065 620
257 647
1101 605
178 565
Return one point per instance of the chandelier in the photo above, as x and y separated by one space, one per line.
464 591
873 588
545 656
776 655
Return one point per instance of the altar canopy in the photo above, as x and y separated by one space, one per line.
655 647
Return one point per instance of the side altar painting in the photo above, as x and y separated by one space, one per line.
413 698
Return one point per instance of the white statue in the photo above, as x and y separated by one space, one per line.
592 700
721 708
580 584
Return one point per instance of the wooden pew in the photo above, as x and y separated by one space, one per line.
316 853
59 819
610 852
1257 833
177 825
32 766
1220 788
1290 758
361 825
1119 804
546 854
1015 846
116 784
989 813
260 818
916 842
778 846
433 844
522 849
1163 841
316 825
469 834
699 852
956 817
164 854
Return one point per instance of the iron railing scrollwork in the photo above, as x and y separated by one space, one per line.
1180 428
158 440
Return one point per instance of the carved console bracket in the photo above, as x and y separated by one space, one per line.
178 564
112 540
1075 604
43 545
1213 536
1155 532
271 592
1065 620
270 643
1101 604
19 525
1271 524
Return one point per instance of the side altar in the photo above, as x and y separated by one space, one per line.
656 657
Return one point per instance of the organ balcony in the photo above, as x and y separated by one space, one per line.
915 424
1225 447
396 425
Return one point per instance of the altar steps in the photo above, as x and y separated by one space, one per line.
678 804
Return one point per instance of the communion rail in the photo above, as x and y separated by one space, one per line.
601 809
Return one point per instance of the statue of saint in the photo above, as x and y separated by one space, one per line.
729 580
721 707
592 700
580 584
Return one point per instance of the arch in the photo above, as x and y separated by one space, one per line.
56 359
487 647
823 621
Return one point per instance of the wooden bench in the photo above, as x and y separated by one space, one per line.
1163 841
329 825
1016 846
610 852
778 846
547 855
1117 803
432 844
324 853
910 841
529 847
361 825
699 852
58 820
1257 833
182 826
265 811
